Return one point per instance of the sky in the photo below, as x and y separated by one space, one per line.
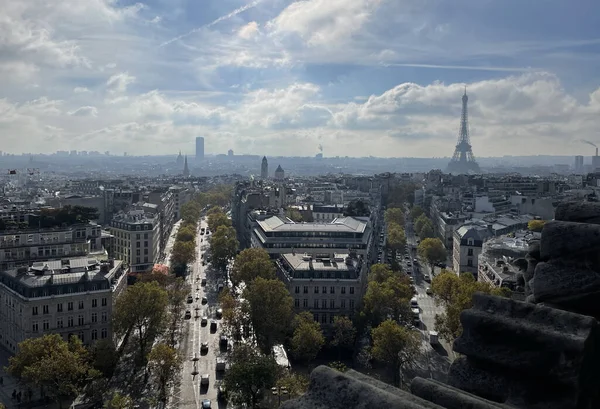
280 77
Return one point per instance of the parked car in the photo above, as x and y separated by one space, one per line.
204 347
203 282
205 379
204 300
206 404
213 326
219 313
204 321
428 291
190 299
188 314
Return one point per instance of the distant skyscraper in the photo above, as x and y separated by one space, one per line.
578 164
279 173
264 168
199 148
463 161
230 153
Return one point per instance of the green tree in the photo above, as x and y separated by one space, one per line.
420 222
177 293
416 212
308 338
388 298
235 315
536 225
455 294
344 334
394 215
395 345
396 239
186 233
141 309
270 308
105 357
433 251
118 401
295 384
380 272
183 252
357 208
190 212
250 264
164 361
214 210
223 245
62 368
426 231
216 220
294 215
250 373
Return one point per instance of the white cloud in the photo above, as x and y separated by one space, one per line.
249 31
118 83
80 90
84 111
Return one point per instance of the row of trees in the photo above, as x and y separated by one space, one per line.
422 224
396 236
223 243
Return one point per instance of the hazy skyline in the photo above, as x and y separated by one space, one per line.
275 77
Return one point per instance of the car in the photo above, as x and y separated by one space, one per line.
188 314
190 299
428 291
197 296
223 341
222 393
220 287
219 313
205 379
204 347
427 278
213 326
206 404
204 321
203 282
408 264
203 263
415 260
204 300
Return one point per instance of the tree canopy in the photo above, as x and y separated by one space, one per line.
403 193
250 264
432 250
142 309
164 361
235 314
389 298
344 333
536 225
380 273
223 246
357 208
118 401
395 345
294 215
394 215
421 221
396 238
62 368
250 372
308 338
270 309
186 232
216 220
416 212
183 252
426 231
455 294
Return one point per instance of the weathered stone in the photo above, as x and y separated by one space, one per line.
534 249
569 239
449 397
531 263
581 212
564 281
331 389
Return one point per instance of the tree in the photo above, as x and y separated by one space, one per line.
420 222
165 363
177 292
396 239
186 233
388 299
536 225
294 215
159 274
118 401
380 273
344 334
190 212
62 368
395 345
416 212
308 338
394 215
250 264
270 308
105 357
295 384
215 220
141 309
235 315
357 208
223 246
214 210
426 231
433 251
455 294
250 372
183 252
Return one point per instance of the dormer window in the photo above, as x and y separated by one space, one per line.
470 242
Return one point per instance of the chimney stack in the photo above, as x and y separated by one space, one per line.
596 151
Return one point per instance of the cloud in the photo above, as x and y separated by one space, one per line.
249 30
80 90
84 111
118 83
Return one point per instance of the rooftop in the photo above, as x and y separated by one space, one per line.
325 266
340 224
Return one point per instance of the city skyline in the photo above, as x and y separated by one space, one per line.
282 78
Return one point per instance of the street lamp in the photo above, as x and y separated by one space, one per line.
278 391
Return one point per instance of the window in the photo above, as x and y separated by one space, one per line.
138 236
324 290
332 304
35 327
81 336
351 290
70 306
343 290
104 333
297 302
81 305
59 307
316 317
324 304
470 262
331 318
46 325
145 236
145 244
34 311
316 289
94 334
305 289
104 302
80 320
305 303
70 322
59 323
342 304
331 290
469 242
104 317
138 252
470 252
323 318
94 303
297 290
316 304
351 304
94 317
46 309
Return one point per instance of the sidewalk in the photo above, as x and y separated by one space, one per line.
170 243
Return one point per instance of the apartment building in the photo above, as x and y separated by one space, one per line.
69 296
327 213
326 285
496 264
137 238
279 235
19 247
467 244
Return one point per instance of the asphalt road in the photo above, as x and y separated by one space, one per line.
189 394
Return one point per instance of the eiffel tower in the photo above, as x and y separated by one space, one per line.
463 161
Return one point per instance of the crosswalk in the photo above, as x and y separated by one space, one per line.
422 296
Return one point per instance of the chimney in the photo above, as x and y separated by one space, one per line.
596 151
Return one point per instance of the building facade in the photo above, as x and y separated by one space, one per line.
136 239
467 244
68 297
199 148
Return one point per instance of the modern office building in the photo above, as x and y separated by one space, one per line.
578 164
279 235
326 285
264 168
68 297
199 148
